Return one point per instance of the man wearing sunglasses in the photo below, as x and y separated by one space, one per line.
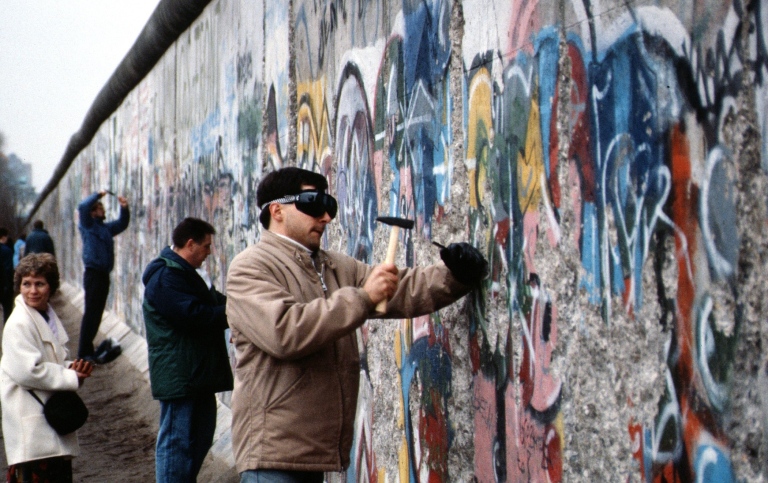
293 309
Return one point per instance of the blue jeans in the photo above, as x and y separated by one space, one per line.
185 436
281 476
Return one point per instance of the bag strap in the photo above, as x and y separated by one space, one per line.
36 397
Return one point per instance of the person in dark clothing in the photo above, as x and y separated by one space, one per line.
185 321
39 241
6 274
99 259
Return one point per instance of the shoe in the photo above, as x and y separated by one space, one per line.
108 351
105 345
109 356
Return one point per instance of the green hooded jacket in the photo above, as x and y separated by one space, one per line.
185 323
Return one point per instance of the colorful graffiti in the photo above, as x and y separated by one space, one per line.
519 433
399 124
655 185
634 107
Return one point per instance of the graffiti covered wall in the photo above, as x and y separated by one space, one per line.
609 158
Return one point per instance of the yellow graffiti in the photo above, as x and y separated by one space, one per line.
560 428
313 133
402 460
408 330
398 350
479 133
399 362
530 163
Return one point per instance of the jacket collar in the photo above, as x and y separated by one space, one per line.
171 255
295 249
42 326
293 242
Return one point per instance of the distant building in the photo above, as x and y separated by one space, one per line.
22 171
20 177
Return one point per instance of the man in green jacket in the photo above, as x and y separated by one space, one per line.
293 309
188 362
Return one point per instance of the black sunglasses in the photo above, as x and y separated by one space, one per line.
312 203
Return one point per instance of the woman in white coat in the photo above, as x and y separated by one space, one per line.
34 358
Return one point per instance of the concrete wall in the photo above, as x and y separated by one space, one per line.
609 157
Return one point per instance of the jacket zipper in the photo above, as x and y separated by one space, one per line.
320 272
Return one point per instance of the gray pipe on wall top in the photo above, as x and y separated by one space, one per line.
169 20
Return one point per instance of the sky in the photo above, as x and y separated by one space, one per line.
55 56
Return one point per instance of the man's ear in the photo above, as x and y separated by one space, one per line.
276 212
189 243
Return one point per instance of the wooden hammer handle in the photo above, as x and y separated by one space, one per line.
381 307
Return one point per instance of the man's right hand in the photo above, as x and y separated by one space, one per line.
382 282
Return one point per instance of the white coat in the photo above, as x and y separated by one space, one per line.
33 358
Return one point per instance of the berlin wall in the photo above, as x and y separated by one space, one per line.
609 157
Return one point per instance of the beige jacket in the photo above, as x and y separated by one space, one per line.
33 358
297 361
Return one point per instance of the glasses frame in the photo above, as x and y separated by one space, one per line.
306 206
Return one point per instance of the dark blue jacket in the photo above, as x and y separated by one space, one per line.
39 241
6 271
98 246
185 323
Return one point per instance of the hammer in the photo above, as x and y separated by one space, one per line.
396 224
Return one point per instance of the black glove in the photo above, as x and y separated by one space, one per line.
466 263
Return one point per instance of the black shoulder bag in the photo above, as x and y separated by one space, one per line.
64 411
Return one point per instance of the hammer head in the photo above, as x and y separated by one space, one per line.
395 221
